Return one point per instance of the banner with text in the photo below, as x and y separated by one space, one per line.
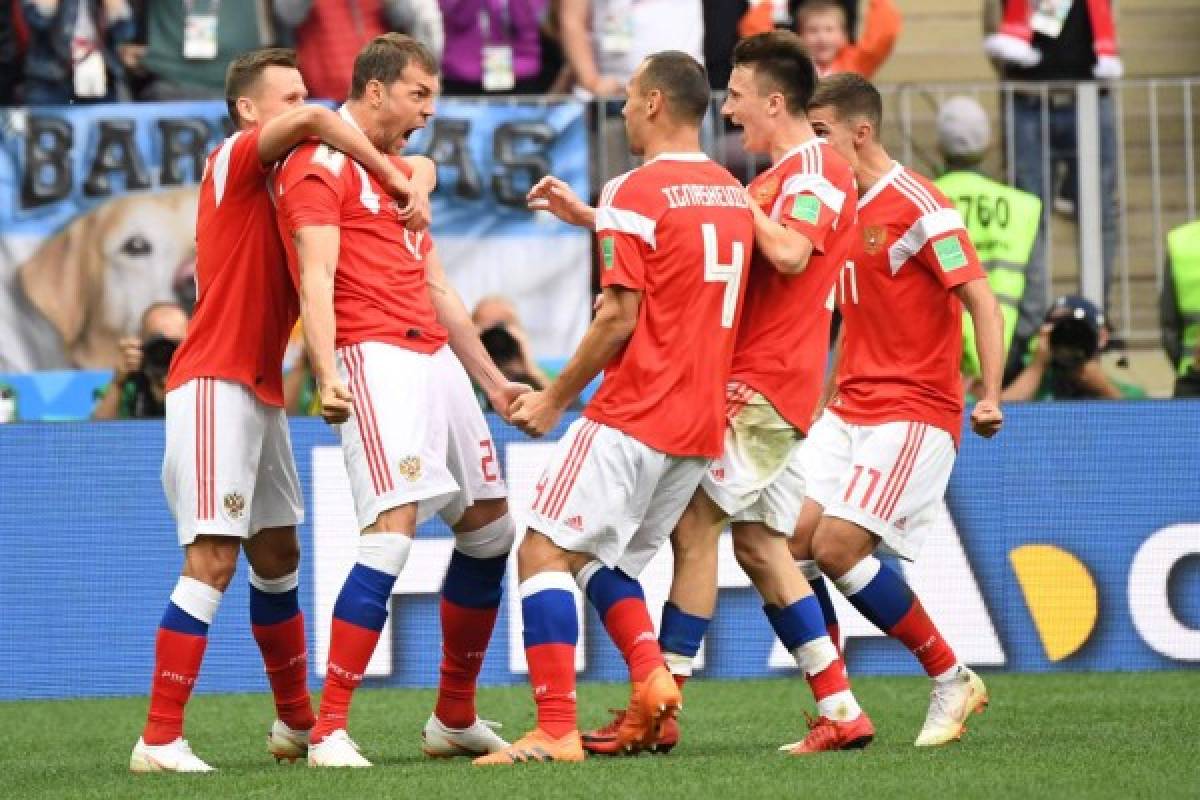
98 207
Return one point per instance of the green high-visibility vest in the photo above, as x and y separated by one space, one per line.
1003 224
1183 251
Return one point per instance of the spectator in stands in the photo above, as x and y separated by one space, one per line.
825 27
506 341
492 46
138 387
1065 363
329 34
1062 41
133 52
191 42
1003 222
72 55
1180 310
10 51
605 40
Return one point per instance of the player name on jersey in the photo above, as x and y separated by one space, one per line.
685 195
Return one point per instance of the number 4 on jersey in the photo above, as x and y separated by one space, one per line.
729 274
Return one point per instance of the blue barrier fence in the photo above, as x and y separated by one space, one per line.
1071 542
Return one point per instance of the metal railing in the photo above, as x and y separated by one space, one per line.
1147 173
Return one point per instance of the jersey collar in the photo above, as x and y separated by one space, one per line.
696 157
345 114
882 184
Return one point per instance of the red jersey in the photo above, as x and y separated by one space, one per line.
379 290
246 304
903 341
783 340
678 230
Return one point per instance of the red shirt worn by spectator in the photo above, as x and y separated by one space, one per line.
328 40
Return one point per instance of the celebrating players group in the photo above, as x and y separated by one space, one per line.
716 408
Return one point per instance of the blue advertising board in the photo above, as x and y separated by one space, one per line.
1070 542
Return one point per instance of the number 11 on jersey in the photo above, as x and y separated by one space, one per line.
729 274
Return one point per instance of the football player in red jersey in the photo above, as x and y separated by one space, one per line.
805 226
675 237
388 339
228 471
877 462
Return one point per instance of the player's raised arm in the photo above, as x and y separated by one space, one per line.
417 212
786 249
556 196
977 297
464 339
287 130
537 413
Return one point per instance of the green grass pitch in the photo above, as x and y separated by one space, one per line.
1045 736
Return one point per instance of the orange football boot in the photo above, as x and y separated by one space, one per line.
537 746
825 734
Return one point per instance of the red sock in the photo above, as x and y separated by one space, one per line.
465 636
177 658
830 680
552 676
835 636
629 626
918 633
350 648
285 656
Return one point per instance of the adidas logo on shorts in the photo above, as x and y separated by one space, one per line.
575 523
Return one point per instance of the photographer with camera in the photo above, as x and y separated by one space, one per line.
505 340
138 387
1066 362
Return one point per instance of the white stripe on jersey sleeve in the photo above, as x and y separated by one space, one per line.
625 221
927 227
221 167
816 184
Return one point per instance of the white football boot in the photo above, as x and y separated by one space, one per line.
438 741
285 743
950 703
176 756
336 750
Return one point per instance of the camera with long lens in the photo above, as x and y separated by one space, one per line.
1073 342
157 352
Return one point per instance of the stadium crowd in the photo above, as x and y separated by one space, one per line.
91 51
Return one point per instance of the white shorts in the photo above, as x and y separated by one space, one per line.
607 494
754 480
227 467
417 434
885 478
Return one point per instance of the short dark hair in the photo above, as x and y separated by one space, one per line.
385 57
810 7
245 70
683 82
850 95
780 64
